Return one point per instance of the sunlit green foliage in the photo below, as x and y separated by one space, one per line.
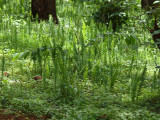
88 71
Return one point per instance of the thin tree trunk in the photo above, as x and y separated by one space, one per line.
44 8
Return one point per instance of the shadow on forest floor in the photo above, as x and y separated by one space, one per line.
10 115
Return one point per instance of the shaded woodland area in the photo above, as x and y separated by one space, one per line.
79 60
147 3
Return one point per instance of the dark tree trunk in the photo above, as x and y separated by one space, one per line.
149 6
155 36
44 8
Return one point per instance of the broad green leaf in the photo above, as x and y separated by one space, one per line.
24 54
157 1
136 38
130 40
156 32
15 56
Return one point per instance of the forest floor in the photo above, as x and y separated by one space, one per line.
12 115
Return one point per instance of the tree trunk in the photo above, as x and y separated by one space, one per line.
43 8
155 37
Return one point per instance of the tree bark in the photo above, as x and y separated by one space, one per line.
155 36
44 8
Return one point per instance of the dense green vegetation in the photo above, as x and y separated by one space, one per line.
89 71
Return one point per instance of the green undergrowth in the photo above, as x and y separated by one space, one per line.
88 71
